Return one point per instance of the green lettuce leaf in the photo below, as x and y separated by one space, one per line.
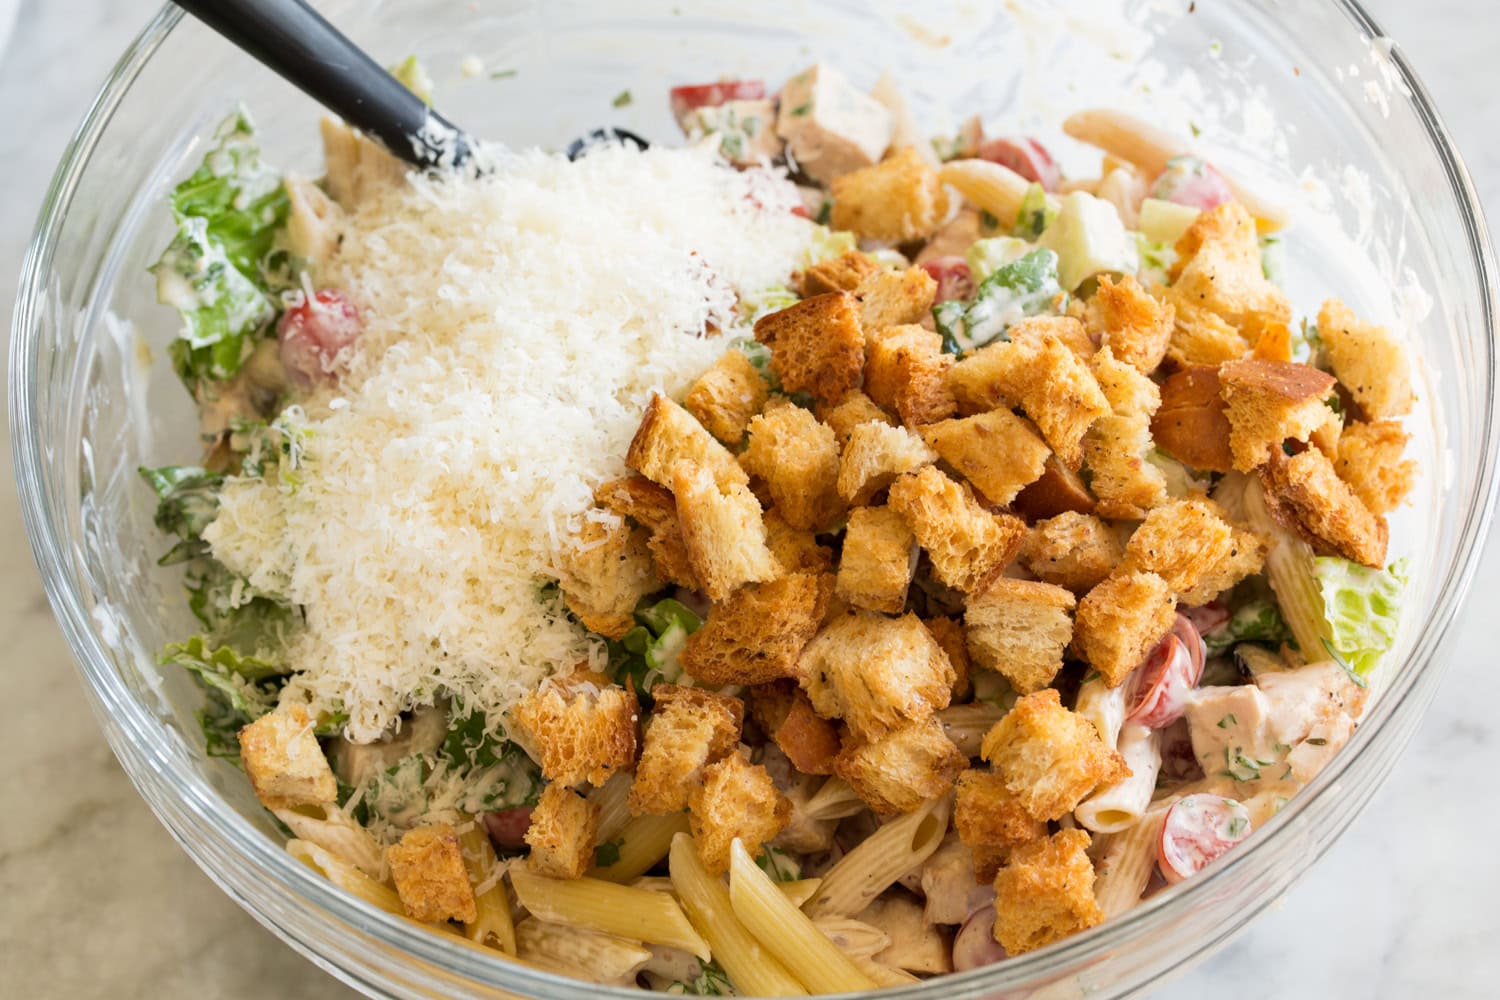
648 653
1023 287
1361 610
187 499
498 773
1257 620
1034 215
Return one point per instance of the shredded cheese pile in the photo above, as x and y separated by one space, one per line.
515 327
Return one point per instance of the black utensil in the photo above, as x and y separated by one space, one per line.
295 42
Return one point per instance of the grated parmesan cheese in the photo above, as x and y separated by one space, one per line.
515 327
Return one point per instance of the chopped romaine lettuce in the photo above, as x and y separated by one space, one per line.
985 257
187 500
1361 609
1024 287
648 652
1034 215
239 689
827 243
754 305
1089 239
1156 259
1257 620
499 774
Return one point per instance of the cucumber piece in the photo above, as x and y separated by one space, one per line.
1165 221
1089 239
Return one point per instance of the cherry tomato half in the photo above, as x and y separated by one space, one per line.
315 336
710 95
1191 181
1161 685
507 828
952 276
1026 157
1196 830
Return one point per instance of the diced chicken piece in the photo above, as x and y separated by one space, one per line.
829 126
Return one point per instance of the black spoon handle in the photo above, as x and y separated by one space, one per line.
295 42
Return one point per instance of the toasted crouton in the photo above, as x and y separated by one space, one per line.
725 397
785 714
875 673
897 200
874 456
1122 316
653 508
668 435
756 635
1058 491
1036 371
798 458
817 346
1128 392
284 762
1068 328
1045 893
894 298
1190 424
836 274
1369 362
949 634
1193 549
1125 482
689 729
427 866
990 820
1019 629
722 531
907 371
736 799
794 548
907 767
1304 494
853 409
564 826
969 547
1218 268
1050 758
1071 550
1200 336
1269 402
998 452
1120 620
580 727
1370 462
879 557
604 570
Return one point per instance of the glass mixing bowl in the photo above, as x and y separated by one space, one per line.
1305 93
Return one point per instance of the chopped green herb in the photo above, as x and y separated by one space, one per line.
1227 721
801 109
713 981
503 74
608 853
987 221
779 865
622 99
1237 826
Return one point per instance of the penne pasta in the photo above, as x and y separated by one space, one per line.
346 876
834 799
1119 806
966 725
1104 706
800 891
611 798
335 830
600 958
896 849
491 901
752 968
787 932
996 189
643 842
854 938
596 905
1126 862
883 975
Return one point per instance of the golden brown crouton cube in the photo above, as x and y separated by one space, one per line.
668 435
897 200
949 634
756 635
836 274
1190 425
1120 620
795 549
1071 550
1124 317
1305 495
653 508
879 557
1274 343
1192 548
1049 757
990 820
722 531
894 298
1045 893
785 714
580 727
1019 629
1036 371
725 397
1128 392
1200 336
853 409
564 826
1058 491
1269 402
689 729
1370 362
1218 268
904 769
798 458
1370 462
427 866
875 673
1125 482
735 799
906 371
817 346
969 547
998 452
874 456
604 570
284 762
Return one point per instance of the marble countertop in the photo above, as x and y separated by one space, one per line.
99 902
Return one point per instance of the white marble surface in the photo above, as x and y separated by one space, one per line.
98 901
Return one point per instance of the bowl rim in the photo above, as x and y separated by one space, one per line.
130 725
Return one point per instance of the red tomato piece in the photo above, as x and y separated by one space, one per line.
1160 686
1026 157
1196 830
1191 181
316 336
507 828
711 95
952 276
1207 617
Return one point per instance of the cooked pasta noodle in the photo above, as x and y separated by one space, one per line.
897 848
